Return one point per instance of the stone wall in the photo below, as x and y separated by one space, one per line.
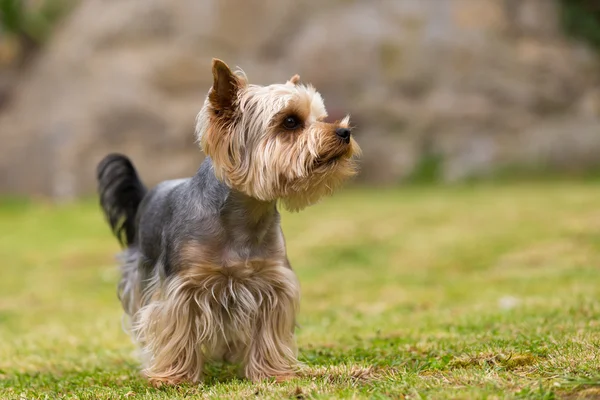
481 84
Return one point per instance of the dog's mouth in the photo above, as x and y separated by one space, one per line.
334 157
327 161
331 160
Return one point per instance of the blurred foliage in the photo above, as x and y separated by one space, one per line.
35 19
428 170
581 19
31 21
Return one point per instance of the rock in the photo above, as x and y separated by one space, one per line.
480 83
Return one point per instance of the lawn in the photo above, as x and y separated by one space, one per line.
486 291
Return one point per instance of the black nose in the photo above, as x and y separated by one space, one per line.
344 134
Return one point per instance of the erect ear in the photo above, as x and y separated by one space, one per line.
225 86
294 80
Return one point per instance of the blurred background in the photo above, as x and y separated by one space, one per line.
434 288
440 90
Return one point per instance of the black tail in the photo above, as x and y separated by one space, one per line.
121 192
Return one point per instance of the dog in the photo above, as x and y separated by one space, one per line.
205 274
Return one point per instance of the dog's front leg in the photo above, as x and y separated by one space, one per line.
166 328
271 351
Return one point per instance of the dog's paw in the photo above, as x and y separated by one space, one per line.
284 378
160 382
272 378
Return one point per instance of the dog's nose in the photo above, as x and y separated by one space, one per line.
344 134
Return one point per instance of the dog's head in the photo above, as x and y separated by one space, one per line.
272 142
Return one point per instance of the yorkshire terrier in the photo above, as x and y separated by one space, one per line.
205 274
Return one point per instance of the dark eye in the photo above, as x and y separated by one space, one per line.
291 123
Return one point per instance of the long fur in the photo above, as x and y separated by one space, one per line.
213 315
205 274
252 154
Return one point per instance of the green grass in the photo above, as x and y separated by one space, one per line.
486 291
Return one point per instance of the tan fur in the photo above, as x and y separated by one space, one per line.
243 312
224 303
294 79
252 154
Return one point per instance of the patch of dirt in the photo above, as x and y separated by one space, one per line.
343 373
509 362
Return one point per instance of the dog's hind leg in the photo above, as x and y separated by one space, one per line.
129 290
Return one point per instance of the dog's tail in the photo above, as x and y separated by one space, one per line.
121 192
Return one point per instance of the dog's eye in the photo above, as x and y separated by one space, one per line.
291 123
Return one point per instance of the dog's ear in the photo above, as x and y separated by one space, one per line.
294 80
225 86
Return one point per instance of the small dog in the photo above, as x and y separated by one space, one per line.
205 275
